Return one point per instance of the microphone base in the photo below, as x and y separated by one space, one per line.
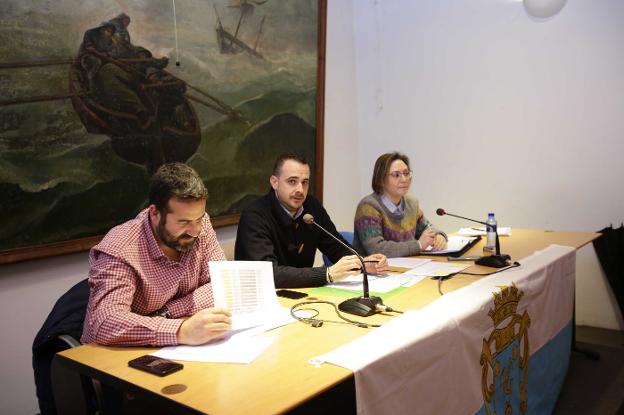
361 306
494 261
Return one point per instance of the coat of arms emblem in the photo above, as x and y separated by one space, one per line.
505 356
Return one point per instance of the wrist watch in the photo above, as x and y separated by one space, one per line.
163 312
328 276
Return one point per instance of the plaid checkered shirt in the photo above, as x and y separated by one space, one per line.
131 278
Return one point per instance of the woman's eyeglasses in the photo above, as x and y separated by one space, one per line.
396 174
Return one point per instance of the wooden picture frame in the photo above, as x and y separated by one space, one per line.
36 116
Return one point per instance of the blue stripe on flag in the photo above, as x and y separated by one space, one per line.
547 371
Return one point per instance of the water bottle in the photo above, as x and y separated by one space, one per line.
490 244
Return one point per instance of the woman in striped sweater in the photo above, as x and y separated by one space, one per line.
389 221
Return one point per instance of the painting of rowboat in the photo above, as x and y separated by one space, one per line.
95 96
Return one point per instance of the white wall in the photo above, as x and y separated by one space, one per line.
501 112
341 138
28 291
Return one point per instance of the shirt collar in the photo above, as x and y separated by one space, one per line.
152 244
284 215
391 206
295 215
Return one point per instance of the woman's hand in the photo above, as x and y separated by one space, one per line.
427 239
376 263
439 242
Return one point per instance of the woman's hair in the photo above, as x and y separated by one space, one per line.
382 165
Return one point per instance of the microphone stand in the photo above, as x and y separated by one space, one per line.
365 305
494 261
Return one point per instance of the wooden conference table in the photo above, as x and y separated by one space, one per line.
281 379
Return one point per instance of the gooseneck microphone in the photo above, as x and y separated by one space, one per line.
365 305
494 261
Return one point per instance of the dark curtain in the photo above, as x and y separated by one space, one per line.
610 250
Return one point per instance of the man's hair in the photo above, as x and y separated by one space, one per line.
175 180
282 158
382 165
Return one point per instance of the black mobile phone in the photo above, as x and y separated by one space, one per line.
291 294
155 365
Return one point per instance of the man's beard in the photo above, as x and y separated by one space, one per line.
171 241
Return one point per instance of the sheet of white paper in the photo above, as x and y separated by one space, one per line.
377 284
436 269
246 288
413 279
239 346
406 262
275 319
480 231
231 350
455 243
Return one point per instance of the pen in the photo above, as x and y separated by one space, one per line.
371 261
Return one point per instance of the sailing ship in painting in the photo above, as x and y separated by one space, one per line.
122 91
231 43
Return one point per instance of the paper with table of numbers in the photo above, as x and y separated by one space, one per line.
246 289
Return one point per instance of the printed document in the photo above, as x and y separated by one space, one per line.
246 289
377 284
238 346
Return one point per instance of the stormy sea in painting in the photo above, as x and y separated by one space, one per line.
62 178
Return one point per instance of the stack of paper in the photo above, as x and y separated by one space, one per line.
247 290
377 284
422 269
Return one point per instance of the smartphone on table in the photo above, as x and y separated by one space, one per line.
295 295
155 365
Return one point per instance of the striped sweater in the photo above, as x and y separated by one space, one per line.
392 234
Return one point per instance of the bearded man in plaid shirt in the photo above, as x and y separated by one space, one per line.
149 278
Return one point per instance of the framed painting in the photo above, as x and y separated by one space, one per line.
95 96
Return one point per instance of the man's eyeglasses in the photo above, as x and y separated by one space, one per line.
396 174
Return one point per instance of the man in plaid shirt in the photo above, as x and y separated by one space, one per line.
149 277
